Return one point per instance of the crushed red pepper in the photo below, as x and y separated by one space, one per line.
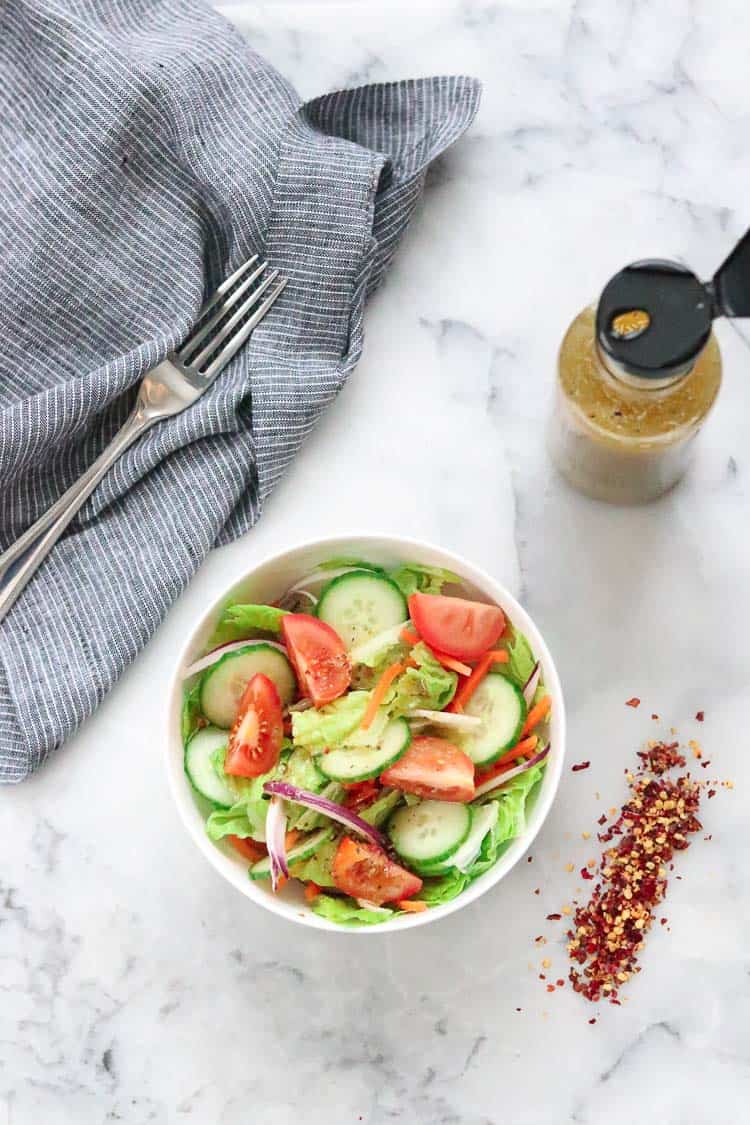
659 757
700 716
580 766
634 702
609 930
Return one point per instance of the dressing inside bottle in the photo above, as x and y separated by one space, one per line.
637 375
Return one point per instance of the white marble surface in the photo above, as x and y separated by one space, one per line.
135 986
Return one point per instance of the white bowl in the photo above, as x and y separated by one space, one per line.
265 583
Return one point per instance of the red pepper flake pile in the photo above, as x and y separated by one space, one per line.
634 702
609 931
580 766
661 756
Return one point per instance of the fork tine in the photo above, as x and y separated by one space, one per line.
195 337
237 341
227 284
226 331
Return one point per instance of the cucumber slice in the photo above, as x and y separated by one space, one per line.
200 769
430 832
224 682
360 604
357 765
502 708
483 820
303 850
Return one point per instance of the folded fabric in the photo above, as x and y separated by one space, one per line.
146 151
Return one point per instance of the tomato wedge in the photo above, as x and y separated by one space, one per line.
318 655
361 793
433 768
364 871
453 625
258 733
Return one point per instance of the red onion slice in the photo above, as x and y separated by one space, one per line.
446 719
328 808
290 595
367 905
275 836
500 780
529 689
210 658
320 574
300 705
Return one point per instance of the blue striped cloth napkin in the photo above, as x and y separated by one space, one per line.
145 151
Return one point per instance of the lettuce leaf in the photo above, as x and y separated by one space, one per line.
319 867
379 811
191 713
346 912
349 560
240 621
429 686
309 818
329 725
438 891
522 659
381 650
513 799
300 770
494 843
245 818
412 577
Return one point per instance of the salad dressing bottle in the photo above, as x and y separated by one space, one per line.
638 374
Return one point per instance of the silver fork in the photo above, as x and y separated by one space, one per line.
167 389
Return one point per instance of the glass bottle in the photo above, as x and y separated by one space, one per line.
638 374
625 440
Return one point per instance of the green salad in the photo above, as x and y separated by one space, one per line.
374 735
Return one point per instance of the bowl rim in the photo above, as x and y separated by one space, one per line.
234 871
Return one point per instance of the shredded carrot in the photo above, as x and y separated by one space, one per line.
408 637
467 689
451 663
291 838
378 692
536 714
281 883
250 849
412 905
312 890
520 750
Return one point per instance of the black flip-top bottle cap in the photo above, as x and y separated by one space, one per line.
666 341
654 317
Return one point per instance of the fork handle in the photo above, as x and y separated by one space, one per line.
39 539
